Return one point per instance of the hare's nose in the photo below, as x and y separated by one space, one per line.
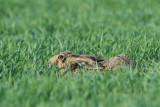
48 64
56 60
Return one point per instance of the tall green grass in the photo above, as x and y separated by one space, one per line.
32 31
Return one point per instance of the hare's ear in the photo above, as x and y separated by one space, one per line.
61 57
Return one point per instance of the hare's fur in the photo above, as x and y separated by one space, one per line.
68 60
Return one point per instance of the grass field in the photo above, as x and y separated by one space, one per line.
32 31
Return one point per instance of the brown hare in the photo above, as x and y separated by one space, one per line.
68 60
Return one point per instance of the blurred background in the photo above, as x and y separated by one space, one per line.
105 23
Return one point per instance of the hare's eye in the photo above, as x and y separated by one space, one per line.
60 57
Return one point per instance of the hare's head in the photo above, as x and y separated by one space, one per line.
60 58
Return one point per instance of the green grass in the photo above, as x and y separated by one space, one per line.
32 31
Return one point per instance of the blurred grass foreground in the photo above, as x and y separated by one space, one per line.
32 31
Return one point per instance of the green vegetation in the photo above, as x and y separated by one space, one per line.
32 31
